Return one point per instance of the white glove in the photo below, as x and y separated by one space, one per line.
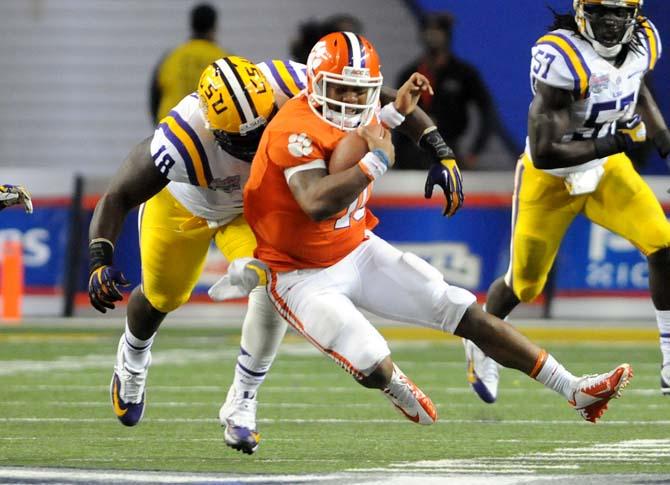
15 194
244 274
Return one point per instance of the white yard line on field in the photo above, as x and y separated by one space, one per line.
288 389
96 361
296 405
76 476
362 421
647 451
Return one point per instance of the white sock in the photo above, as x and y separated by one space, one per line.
554 376
250 373
136 351
663 321
262 332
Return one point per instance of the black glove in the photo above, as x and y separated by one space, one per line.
444 172
104 279
629 135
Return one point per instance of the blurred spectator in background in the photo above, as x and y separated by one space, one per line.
312 30
458 90
177 73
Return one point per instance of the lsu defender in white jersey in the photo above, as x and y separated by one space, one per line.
590 106
189 177
207 178
603 93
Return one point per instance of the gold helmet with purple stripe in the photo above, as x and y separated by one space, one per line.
237 102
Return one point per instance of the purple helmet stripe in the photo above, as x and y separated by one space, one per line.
350 50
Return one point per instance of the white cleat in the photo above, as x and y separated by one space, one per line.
665 380
127 389
238 419
482 372
594 392
409 400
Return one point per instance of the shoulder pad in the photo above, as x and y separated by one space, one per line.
177 148
559 62
287 77
651 41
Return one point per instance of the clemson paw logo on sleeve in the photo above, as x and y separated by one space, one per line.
299 145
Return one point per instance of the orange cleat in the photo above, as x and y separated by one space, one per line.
594 392
409 400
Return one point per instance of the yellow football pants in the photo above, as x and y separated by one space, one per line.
543 210
173 247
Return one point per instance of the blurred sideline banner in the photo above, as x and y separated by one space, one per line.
471 249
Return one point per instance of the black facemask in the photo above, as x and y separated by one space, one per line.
609 24
242 146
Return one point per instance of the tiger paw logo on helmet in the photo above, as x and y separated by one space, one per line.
299 145
318 54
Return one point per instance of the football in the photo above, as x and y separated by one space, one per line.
350 149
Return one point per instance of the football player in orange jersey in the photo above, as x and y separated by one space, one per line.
314 233
188 178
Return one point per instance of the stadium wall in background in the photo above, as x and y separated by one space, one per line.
470 249
497 37
75 73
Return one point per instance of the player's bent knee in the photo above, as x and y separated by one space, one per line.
451 306
167 303
527 293
331 322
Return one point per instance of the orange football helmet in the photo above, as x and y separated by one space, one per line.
343 59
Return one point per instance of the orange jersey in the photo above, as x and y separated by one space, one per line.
287 238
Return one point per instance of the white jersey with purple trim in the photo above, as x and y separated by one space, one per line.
287 78
603 93
203 177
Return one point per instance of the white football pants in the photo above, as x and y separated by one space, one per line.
322 304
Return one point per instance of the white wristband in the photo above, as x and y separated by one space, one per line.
373 165
390 117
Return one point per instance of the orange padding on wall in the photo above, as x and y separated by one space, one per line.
11 280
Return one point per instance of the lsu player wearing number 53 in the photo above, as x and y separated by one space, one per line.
590 105
188 178
314 232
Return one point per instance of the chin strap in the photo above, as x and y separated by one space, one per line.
606 52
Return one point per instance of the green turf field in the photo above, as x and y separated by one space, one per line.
55 411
